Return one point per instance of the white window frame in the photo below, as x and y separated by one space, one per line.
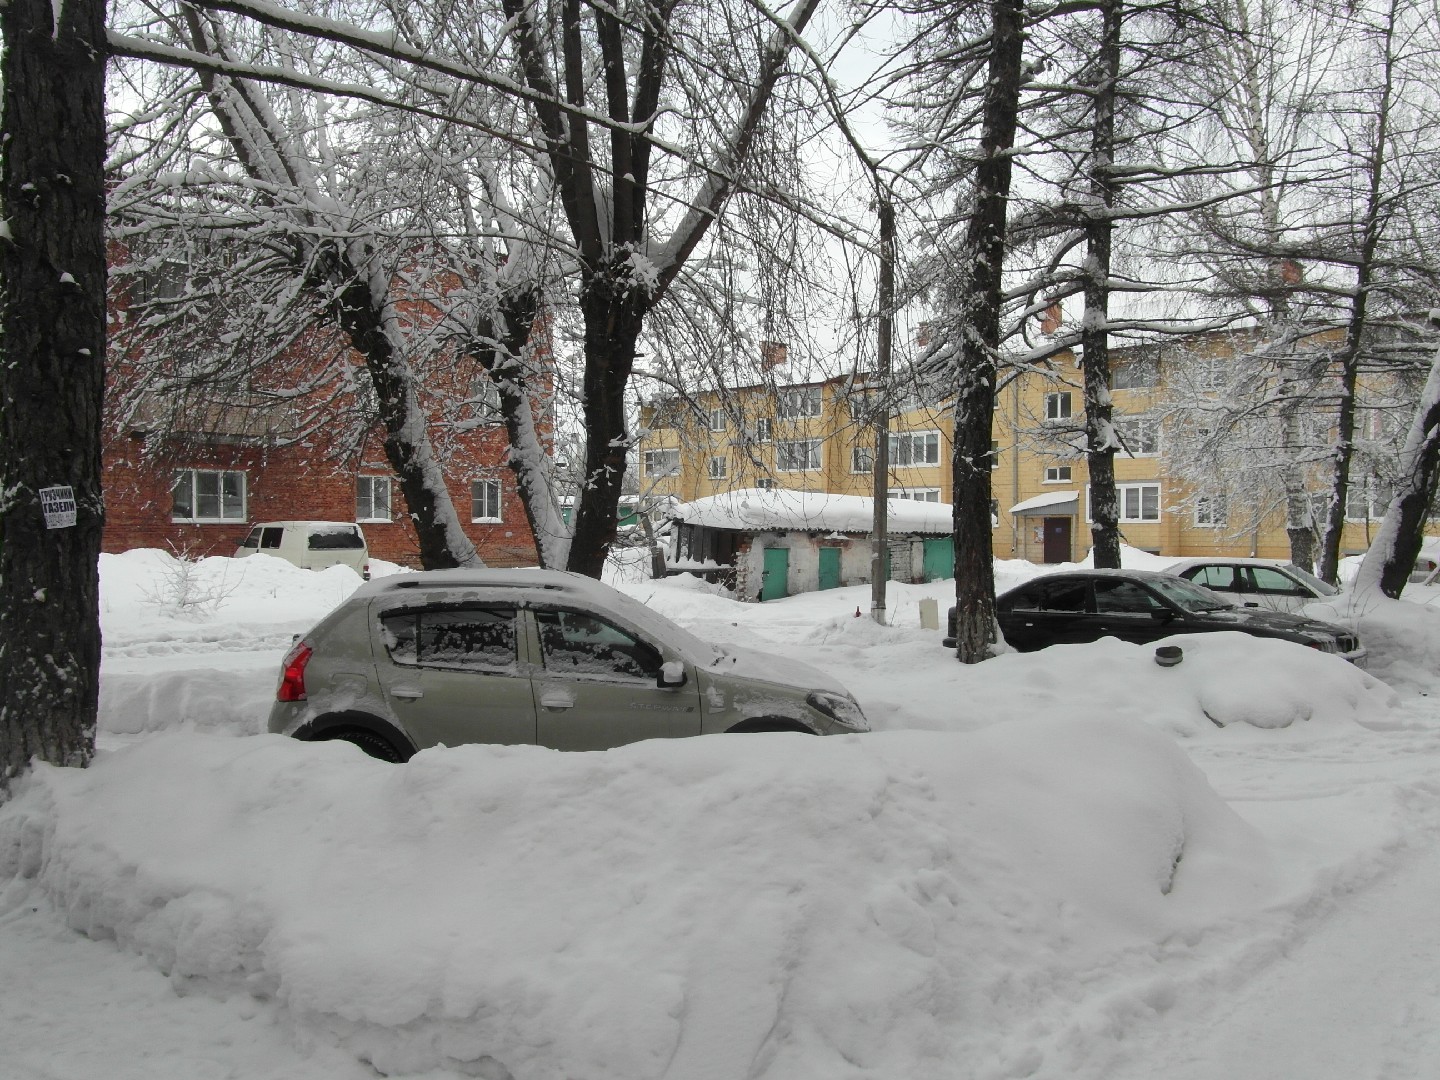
903 445
365 504
192 477
787 450
1147 365
1376 494
485 494
764 429
798 402
1059 405
671 457
719 420
1140 434
915 494
1211 512
1124 491
862 460
1053 474
1209 373
718 467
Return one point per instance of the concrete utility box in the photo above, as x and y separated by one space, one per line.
930 614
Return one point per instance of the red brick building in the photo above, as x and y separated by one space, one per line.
196 484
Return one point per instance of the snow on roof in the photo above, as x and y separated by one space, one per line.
751 509
1049 499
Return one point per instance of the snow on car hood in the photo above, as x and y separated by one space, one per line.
754 664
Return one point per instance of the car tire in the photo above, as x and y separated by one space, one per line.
377 746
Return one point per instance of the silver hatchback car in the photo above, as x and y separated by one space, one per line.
531 656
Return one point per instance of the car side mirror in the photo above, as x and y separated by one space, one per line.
672 673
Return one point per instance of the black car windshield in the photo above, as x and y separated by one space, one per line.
1188 597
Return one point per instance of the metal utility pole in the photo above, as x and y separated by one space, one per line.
880 538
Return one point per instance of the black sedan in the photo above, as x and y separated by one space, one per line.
1141 606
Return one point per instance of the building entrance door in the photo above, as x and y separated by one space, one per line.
777 569
1057 539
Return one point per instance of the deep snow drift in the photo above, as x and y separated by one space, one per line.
1039 866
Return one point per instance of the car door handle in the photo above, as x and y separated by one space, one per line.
557 699
410 693
1251 603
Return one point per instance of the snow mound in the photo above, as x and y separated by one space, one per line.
772 906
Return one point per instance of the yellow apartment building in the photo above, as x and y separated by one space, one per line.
819 436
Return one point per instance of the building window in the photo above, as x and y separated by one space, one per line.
485 500
798 455
1140 435
762 429
1057 474
1139 502
1210 512
1058 406
862 460
718 419
796 402
765 483
1366 499
994 454
208 495
916 494
1135 374
1209 372
915 448
372 498
717 468
662 462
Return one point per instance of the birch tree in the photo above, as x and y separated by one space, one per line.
52 348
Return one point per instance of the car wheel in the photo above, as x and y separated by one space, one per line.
377 746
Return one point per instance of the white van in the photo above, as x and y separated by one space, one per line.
310 545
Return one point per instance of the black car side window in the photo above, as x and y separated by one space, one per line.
1123 597
1065 596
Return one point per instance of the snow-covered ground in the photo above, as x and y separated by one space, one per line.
1073 864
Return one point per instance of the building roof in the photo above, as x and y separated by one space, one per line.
755 509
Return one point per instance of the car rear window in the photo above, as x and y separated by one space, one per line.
343 538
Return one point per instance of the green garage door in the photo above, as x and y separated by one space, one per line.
777 570
939 559
829 568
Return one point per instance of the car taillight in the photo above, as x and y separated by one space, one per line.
292 676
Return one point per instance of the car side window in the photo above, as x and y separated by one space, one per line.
1123 597
1213 577
1272 581
462 639
1065 596
578 643
270 538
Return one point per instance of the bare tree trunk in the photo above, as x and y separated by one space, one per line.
52 380
614 309
981 294
1094 331
1359 307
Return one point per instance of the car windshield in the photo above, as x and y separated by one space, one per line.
1323 588
1188 597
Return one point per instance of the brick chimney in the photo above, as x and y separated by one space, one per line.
773 354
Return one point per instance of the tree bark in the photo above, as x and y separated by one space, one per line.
52 381
981 295
1094 332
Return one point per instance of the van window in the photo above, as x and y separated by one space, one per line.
270 538
252 539
346 538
